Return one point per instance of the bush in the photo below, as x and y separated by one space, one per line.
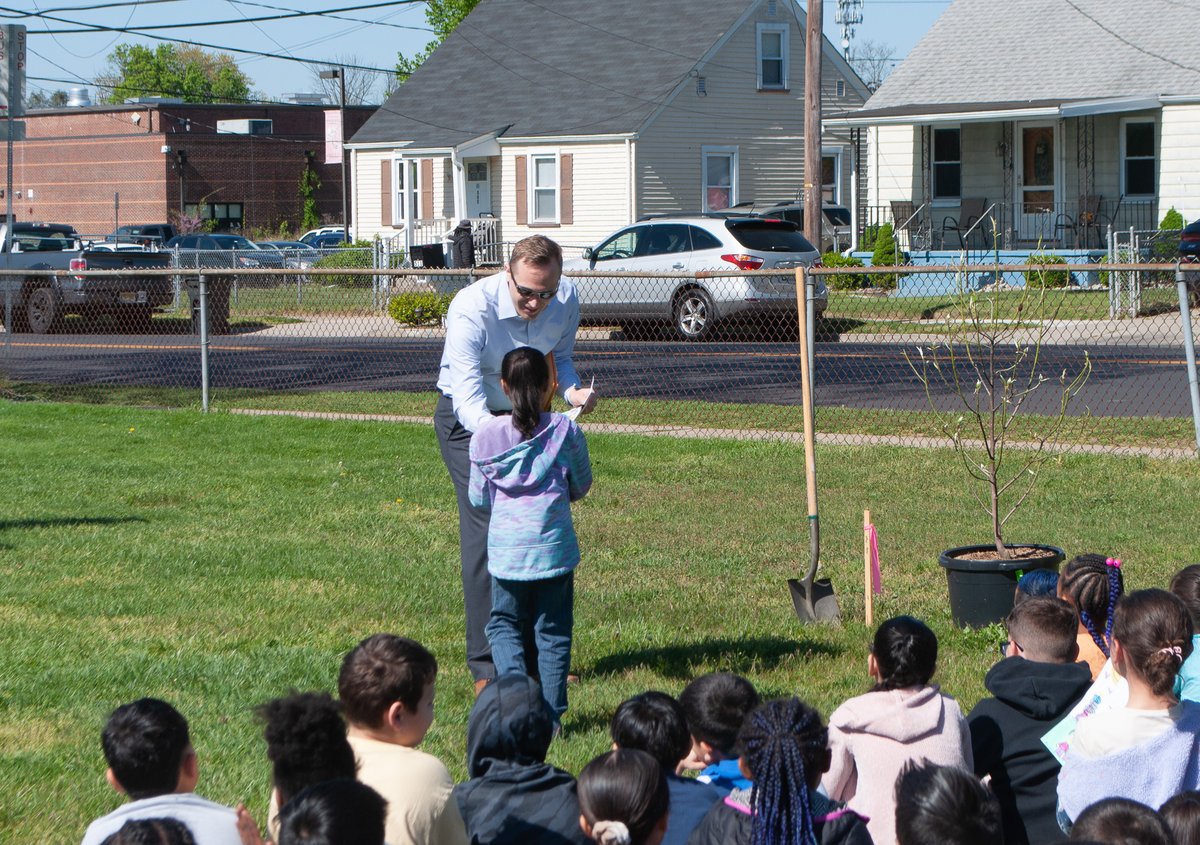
361 256
1047 278
870 234
1164 247
886 254
844 281
419 308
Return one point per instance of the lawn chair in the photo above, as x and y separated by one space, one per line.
1087 219
970 213
909 227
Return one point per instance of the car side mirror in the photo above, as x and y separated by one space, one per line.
587 253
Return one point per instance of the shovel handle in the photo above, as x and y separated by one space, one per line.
810 457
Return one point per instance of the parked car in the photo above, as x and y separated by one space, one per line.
695 305
835 227
149 234
295 254
1189 242
308 236
39 303
328 240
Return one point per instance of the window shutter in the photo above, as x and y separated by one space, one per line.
521 178
427 188
385 193
566 167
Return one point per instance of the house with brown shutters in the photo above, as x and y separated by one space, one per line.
572 118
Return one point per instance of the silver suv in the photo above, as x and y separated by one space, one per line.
708 245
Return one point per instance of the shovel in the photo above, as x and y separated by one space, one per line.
812 597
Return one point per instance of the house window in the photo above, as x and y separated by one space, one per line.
772 56
840 87
1138 158
543 188
406 202
831 176
720 165
947 164
225 215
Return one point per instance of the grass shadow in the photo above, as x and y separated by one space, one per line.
67 521
680 661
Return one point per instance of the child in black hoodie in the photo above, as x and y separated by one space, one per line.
514 796
1034 686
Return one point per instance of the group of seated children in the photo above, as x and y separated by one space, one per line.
898 764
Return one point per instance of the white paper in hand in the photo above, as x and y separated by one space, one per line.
574 413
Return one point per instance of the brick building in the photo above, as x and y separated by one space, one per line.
97 167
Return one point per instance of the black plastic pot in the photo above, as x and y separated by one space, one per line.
981 591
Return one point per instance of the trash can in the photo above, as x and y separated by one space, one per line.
218 288
429 256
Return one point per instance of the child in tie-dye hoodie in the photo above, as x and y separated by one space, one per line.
528 468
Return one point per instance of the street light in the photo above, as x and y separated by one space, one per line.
340 75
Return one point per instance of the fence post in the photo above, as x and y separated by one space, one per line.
1189 349
203 344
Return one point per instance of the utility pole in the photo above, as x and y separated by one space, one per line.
812 125
340 75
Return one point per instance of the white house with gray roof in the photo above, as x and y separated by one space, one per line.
573 118
1055 119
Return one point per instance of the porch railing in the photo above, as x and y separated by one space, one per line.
485 233
1008 225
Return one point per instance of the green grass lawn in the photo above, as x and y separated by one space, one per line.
219 560
858 312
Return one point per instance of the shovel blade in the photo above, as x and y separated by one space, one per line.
814 601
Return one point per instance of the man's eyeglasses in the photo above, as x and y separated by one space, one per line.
528 293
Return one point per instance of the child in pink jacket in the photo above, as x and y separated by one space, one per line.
902 718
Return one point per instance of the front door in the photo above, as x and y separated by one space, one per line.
1036 181
479 188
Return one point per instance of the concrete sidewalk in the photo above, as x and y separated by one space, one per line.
688 432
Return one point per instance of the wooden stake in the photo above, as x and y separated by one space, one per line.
868 596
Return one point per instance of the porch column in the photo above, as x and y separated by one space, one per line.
459 185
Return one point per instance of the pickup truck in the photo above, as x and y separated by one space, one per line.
39 302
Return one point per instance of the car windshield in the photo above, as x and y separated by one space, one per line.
769 236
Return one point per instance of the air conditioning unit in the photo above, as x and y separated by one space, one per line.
245 126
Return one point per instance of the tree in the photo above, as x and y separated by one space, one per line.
872 60
190 73
361 85
41 100
443 16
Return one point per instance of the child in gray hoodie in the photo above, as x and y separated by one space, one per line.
527 468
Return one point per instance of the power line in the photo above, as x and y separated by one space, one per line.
1129 43
291 15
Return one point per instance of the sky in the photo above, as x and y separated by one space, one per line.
370 37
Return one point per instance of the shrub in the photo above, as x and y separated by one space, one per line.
1047 278
361 256
419 308
844 281
1164 247
867 244
886 254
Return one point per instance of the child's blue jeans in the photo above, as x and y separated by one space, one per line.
548 607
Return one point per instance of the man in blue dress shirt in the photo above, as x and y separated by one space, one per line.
527 304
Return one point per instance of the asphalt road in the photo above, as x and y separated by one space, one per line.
1126 380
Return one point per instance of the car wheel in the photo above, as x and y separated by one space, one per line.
42 311
694 314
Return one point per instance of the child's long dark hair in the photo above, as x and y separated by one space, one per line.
1155 630
906 652
526 376
782 742
1093 583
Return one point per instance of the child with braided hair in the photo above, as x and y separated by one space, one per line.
1148 750
784 750
1093 583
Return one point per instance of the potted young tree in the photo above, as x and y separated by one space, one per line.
991 365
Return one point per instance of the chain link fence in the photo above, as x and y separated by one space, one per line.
704 351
